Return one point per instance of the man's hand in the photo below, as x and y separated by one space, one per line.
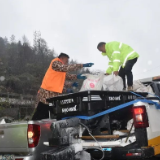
115 73
88 65
74 84
79 76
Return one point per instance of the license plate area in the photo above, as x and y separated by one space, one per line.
7 157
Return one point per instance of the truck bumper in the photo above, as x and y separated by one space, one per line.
124 153
26 158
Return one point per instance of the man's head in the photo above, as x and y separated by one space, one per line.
64 58
101 47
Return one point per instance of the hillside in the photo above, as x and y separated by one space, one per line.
23 66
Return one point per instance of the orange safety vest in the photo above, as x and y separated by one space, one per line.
54 80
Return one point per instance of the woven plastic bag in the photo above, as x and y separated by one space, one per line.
129 125
93 82
138 86
112 83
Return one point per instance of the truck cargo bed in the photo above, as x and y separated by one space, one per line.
89 102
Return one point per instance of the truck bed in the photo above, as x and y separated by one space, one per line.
88 103
106 128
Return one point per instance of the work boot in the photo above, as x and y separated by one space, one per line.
130 88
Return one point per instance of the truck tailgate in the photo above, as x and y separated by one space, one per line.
13 137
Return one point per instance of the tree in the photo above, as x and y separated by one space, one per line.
2 46
12 39
36 41
6 41
25 41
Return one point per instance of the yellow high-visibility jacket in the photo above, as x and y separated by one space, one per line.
118 54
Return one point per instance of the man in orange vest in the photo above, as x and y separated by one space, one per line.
54 83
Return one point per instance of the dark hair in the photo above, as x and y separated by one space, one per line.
63 55
100 44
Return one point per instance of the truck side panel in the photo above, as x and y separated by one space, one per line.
153 131
13 137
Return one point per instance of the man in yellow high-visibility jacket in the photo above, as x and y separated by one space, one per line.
122 58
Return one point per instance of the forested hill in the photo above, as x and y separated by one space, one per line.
22 66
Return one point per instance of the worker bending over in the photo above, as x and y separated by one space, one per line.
122 58
54 84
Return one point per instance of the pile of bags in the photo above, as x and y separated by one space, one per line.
100 81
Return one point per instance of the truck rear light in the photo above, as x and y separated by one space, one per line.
30 134
133 154
33 135
140 117
138 110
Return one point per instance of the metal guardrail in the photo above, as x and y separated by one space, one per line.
17 99
16 106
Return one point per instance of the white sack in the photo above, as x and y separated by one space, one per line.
2 121
119 133
93 82
140 87
129 125
112 83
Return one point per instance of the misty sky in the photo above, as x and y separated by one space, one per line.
76 26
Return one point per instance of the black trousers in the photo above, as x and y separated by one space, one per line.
42 111
127 71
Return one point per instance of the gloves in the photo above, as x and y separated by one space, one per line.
74 84
69 91
79 76
88 65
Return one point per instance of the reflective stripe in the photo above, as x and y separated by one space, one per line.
110 66
116 60
127 58
115 52
120 45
